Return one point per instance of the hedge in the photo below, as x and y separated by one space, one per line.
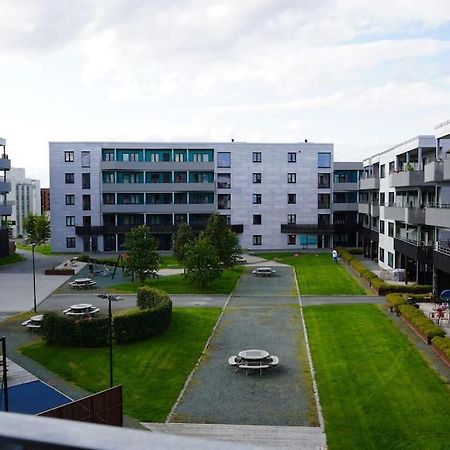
443 344
148 297
377 283
417 318
143 324
63 330
395 300
103 261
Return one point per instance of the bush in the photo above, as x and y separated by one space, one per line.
443 344
355 251
103 261
148 297
417 318
395 300
143 324
62 330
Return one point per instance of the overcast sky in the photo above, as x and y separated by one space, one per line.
363 74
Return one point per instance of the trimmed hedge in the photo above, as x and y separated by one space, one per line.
61 330
417 318
395 300
443 344
143 324
103 261
377 283
148 297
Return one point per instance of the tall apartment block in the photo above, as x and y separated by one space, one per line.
404 208
25 198
275 196
5 206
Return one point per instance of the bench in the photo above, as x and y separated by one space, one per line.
248 367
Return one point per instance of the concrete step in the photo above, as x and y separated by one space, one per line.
301 438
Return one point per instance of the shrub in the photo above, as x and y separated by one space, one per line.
61 330
355 251
417 318
103 261
395 300
442 344
148 297
143 324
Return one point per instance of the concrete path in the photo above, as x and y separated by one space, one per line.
283 396
16 282
341 300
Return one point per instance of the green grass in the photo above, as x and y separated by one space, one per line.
317 274
375 389
151 372
43 249
178 284
11 259
169 262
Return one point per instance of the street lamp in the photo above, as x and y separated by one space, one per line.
34 276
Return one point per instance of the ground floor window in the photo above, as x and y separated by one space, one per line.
257 239
390 259
291 239
308 239
70 242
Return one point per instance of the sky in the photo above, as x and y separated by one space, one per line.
362 74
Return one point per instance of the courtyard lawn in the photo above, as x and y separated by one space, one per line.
317 274
178 284
169 262
375 389
43 249
151 372
11 259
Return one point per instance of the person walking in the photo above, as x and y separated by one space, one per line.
334 254
91 269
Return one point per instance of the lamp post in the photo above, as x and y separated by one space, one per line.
34 276
4 374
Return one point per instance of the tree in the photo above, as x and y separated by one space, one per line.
142 257
37 228
183 237
201 262
223 239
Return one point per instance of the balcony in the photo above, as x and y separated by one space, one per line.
369 183
441 257
160 208
434 172
347 227
417 250
375 210
158 187
345 187
345 207
447 169
293 228
438 215
158 166
407 178
5 186
412 216
363 208
5 163
6 210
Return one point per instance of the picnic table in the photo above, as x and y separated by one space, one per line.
34 322
82 283
81 310
264 272
253 360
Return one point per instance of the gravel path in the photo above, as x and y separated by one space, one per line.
262 313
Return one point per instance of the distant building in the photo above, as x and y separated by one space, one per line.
25 197
45 200
5 206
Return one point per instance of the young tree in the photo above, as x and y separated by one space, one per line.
201 262
183 237
142 257
29 226
37 228
223 239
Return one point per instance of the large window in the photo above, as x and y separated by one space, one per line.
256 199
85 159
257 240
223 159
292 178
256 178
257 219
86 180
323 201
324 160
224 180
390 229
391 260
323 180
70 221
70 242
292 199
69 156
381 254
70 199
382 174
382 228
257 158
86 202
291 239
224 201
109 198
345 176
292 218
69 178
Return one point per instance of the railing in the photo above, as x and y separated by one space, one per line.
437 205
415 242
445 249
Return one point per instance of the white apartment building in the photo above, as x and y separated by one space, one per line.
275 196
25 198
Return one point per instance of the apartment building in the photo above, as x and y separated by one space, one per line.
25 198
275 196
45 201
402 207
5 206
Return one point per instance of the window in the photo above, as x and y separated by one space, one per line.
108 155
391 198
109 177
323 180
86 202
70 221
180 157
256 199
70 178
292 218
382 198
381 254
85 159
323 219
390 229
180 177
256 178
223 159
382 228
345 176
224 180
292 199
323 201
257 219
390 259
223 201
257 157
86 180
86 221
292 178
180 198
180 218
69 156
70 242
391 166
70 199
292 157
382 173
291 239
324 160
257 239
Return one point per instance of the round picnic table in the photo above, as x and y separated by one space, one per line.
253 355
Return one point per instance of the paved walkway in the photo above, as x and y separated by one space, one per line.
283 396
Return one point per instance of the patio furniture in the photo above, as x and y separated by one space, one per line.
233 360
253 355
253 360
264 272
274 361
254 365
34 322
81 310
82 283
